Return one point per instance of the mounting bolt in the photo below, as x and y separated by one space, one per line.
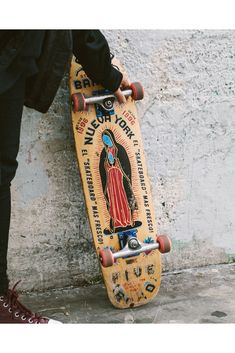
133 243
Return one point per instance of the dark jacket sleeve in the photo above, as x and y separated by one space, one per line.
92 51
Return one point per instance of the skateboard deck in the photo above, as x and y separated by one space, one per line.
117 191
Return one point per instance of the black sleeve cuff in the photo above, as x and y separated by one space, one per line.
92 51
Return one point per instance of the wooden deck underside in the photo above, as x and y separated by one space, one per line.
117 193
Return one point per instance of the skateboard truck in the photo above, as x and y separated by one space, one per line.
134 247
80 101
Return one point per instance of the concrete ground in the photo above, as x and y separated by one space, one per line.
202 295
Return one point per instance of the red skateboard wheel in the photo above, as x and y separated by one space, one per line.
164 243
78 101
137 91
106 257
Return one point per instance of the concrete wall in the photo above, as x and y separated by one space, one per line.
188 125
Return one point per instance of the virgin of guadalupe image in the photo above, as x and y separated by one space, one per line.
115 172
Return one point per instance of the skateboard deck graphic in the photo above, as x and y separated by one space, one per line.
117 190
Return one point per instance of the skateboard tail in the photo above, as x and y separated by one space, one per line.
135 292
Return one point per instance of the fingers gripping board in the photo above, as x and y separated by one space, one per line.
117 191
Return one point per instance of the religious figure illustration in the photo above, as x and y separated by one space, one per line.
115 172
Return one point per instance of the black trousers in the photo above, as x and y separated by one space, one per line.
11 107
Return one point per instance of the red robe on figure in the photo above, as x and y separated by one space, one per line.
119 209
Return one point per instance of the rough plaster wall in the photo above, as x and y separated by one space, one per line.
188 125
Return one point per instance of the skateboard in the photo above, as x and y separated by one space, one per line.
116 187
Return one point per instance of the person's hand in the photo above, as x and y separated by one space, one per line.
118 93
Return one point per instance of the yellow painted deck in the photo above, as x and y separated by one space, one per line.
132 281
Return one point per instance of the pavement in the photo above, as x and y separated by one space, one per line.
201 295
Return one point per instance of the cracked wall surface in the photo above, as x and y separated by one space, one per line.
188 125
